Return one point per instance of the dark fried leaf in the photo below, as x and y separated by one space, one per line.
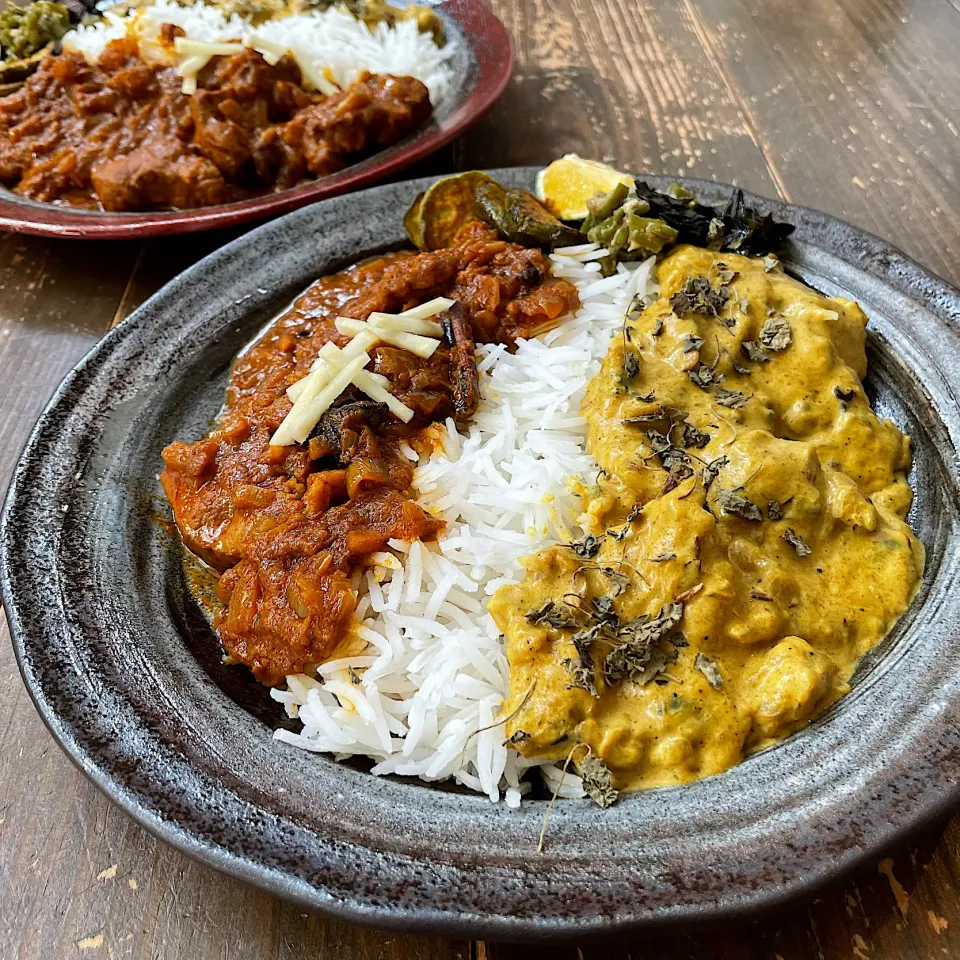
663 557
749 233
657 327
518 736
731 502
797 542
774 510
354 676
631 365
709 669
691 342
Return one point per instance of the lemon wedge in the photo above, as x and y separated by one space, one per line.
567 184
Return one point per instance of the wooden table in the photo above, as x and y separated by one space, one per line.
853 108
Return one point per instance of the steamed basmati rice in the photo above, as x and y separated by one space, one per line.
332 41
423 698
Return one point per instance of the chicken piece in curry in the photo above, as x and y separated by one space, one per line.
288 527
747 543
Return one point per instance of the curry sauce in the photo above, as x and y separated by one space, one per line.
746 536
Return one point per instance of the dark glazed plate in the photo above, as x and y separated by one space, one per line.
107 638
481 68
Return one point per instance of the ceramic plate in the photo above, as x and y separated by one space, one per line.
123 668
481 68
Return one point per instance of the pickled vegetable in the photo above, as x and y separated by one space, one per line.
25 30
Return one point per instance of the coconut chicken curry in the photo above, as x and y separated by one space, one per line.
747 538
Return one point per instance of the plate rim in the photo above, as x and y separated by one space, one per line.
491 49
939 800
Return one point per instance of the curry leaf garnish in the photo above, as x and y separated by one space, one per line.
705 377
692 437
587 548
518 736
735 399
731 502
774 510
597 780
710 670
740 368
760 595
654 416
620 581
631 365
754 351
697 295
550 614
672 458
775 334
582 641
605 612
635 658
580 676
797 542
354 676
657 327
691 342
663 557
713 468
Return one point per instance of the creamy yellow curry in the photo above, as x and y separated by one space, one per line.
747 539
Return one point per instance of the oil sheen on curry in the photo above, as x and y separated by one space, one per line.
747 539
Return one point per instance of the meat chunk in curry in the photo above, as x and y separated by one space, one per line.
749 542
289 526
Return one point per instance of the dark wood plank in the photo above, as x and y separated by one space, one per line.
625 82
857 107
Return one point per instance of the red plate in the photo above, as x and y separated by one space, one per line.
481 68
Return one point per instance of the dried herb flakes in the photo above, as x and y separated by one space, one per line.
775 334
710 670
797 542
597 780
731 502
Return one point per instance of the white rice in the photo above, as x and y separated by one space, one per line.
332 40
434 675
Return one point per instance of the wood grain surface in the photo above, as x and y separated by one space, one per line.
852 108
